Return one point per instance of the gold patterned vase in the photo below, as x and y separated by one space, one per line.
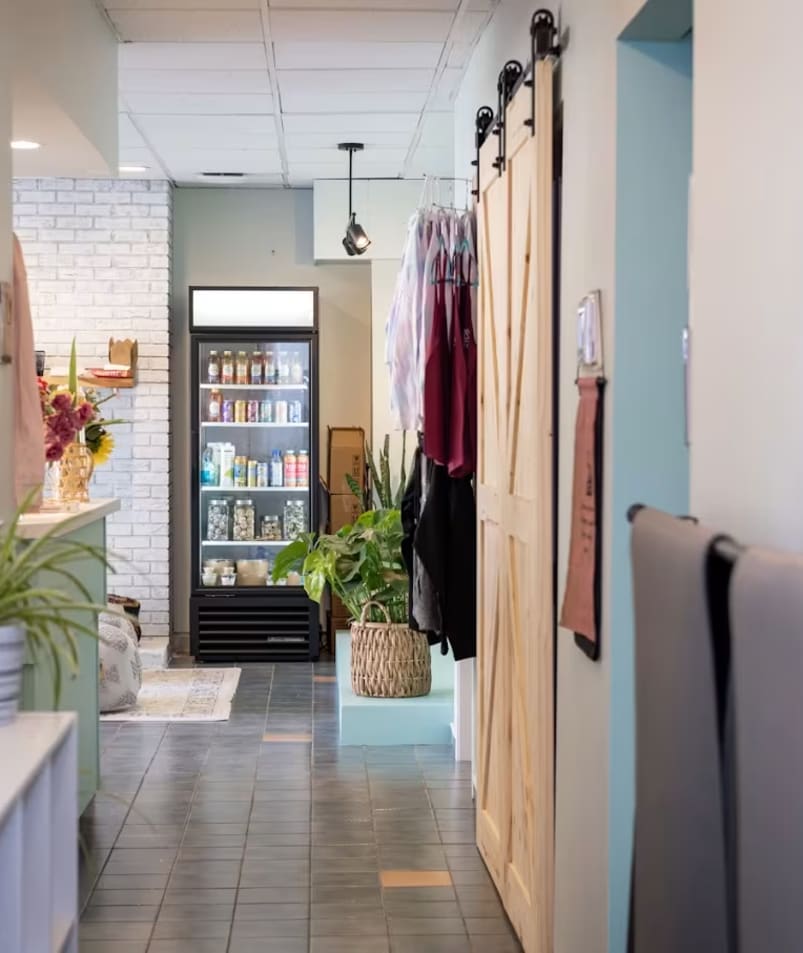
75 472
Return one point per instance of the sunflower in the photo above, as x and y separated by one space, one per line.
103 448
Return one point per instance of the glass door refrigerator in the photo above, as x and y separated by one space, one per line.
254 481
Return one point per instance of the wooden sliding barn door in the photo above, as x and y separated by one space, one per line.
515 799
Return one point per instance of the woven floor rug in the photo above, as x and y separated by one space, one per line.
182 694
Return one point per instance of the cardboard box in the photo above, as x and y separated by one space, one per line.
346 455
344 509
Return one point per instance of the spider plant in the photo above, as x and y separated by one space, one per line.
386 497
49 615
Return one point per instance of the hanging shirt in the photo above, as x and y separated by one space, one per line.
462 457
401 333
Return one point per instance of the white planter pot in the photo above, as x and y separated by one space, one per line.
12 653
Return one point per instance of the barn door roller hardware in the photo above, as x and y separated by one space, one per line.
509 76
482 123
544 42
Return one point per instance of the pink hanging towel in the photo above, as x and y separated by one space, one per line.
463 416
29 440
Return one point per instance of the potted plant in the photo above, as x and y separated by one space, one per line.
35 616
363 565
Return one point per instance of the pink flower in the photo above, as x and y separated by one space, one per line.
62 401
53 452
85 413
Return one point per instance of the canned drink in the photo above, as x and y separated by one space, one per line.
253 411
280 412
262 474
290 469
228 411
266 412
240 412
302 468
252 473
241 471
295 412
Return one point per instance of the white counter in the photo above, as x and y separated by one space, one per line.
35 525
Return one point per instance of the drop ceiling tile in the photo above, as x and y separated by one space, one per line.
323 56
346 126
165 81
303 155
367 4
113 5
207 104
367 101
363 26
129 136
186 56
167 26
209 132
191 162
248 182
469 28
332 170
325 140
355 80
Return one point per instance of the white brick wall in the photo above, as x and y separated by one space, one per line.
98 258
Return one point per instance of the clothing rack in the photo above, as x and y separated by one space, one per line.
724 546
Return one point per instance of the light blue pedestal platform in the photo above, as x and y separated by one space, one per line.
395 721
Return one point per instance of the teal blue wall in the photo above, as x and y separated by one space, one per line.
650 459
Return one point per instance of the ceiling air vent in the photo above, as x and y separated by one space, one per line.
222 175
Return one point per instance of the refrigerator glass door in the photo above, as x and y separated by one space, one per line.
254 467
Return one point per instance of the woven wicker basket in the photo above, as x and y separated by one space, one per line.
388 660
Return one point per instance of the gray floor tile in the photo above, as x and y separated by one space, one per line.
267 842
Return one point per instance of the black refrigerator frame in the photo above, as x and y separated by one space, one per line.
245 624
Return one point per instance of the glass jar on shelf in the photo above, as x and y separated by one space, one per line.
218 520
271 528
295 519
244 520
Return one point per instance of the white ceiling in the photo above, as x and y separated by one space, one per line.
269 87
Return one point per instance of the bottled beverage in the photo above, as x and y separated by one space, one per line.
276 469
215 401
266 412
240 411
263 474
284 368
270 368
296 369
228 412
302 468
257 369
227 368
241 471
290 468
253 411
280 412
295 412
241 373
209 475
252 473
227 465
213 368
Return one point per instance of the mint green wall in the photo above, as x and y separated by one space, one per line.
79 693
650 459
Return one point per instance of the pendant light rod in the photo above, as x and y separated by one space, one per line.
351 148
356 241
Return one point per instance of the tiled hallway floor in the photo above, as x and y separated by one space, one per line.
261 835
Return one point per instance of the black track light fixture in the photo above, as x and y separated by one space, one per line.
355 242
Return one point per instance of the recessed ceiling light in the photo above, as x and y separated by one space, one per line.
133 168
25 144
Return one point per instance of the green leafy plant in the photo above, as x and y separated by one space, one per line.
361 563
42 611
381 484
